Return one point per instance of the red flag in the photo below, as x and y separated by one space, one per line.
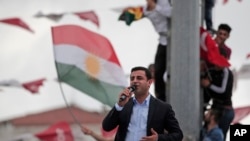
109 134
60 131
17 22
241 113
209 50
33 86
89 15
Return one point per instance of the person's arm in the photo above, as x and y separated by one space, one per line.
221 89
96 136
162 6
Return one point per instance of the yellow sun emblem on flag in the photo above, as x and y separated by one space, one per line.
92 65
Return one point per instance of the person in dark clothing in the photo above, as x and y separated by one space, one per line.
219 88
208 12
211 130
140 116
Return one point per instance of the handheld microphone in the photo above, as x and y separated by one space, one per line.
131 89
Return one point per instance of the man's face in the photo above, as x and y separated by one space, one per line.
208 116
221 36
139 79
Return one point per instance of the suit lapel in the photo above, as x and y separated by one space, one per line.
151 110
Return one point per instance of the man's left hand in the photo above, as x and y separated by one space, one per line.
153 137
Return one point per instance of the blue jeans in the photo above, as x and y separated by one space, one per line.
226 119
209 4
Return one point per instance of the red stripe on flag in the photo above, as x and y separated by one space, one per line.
86 40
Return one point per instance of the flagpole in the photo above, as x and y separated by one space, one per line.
67 104
184 90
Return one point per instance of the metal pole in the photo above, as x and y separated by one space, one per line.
184 87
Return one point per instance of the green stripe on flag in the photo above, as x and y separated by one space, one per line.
102 91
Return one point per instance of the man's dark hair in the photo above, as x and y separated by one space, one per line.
225 27
147 72
217 114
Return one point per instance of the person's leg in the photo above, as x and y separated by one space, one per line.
209 4
227 118
160 68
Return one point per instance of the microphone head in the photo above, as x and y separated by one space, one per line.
132 88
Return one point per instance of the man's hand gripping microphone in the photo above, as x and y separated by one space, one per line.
131 89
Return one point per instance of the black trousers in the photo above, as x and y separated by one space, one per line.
160 68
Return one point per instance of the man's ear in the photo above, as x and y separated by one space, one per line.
150 81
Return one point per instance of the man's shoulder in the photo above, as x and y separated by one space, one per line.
217 131
160 102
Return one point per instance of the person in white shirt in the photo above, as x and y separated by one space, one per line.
158 11
140 116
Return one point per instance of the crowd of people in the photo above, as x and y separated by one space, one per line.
142 116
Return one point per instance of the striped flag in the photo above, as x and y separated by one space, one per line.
131 14
87 61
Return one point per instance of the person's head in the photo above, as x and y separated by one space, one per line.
142 79
223 33
213 115
151 68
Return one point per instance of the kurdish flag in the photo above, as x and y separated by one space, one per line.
87 61
131 14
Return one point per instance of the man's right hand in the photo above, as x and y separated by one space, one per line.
126 92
